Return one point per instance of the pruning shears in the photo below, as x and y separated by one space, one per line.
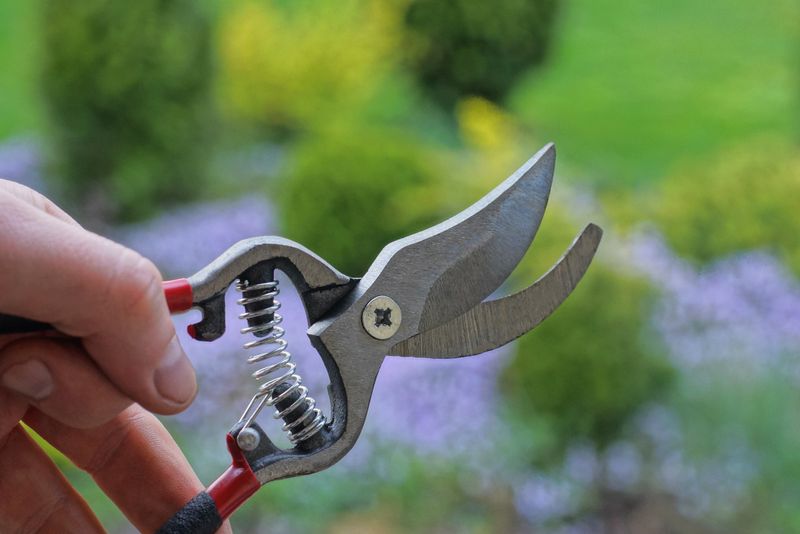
423 296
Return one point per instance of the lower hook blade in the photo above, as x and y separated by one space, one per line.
494 323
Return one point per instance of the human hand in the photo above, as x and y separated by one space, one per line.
115 346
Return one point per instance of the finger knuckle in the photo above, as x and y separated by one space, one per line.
115 434
22 195
43 203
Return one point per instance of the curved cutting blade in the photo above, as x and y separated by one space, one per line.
494 323
440 273
424 280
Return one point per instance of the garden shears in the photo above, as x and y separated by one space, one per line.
423 296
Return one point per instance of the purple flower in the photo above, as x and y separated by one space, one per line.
187 238
542 499
443 407
582 464
745 308
623 466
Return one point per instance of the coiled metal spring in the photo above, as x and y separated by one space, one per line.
282 387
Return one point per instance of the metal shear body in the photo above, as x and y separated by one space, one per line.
423 296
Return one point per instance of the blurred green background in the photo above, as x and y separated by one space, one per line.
661 397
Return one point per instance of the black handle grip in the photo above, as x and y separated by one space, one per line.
198 516
11 324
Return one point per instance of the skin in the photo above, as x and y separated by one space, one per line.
90 387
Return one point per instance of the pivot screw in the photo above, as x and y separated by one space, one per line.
381 317
248 439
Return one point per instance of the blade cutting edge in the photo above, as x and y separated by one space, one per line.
494 323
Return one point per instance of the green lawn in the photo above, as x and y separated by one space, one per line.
633 87
19 107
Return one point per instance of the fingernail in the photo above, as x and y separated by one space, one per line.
31 379
174 378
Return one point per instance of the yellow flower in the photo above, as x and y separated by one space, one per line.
484 125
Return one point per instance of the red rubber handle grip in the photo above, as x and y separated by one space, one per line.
236 484
179 295
206 512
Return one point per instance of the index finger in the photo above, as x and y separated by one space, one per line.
97 290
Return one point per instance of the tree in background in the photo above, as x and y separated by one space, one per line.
464 48
127 88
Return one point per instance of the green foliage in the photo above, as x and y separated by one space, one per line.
476 48
346 196
288 66
746 198
127 86
588 368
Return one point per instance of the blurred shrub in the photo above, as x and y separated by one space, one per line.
589 367
290 65
346 196
739 426
472 47
127 85
746 198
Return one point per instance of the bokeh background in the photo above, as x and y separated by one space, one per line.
661 397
